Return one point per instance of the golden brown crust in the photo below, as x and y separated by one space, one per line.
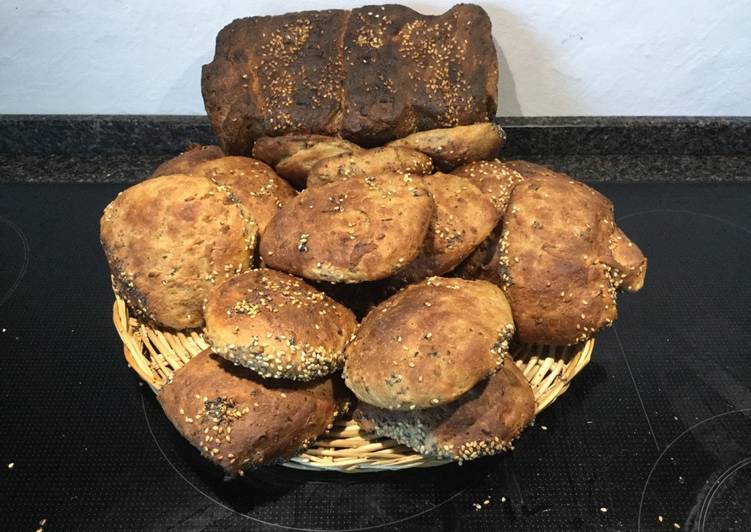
271 150
240 421
555 260
528 169
169 239
494 178
482 422
278 326
629 260
455 146
429 344
297 166
187 160
369 162
463 219
260 191
362 229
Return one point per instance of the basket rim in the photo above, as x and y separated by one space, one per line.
154 354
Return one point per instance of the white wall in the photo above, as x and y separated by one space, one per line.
585 57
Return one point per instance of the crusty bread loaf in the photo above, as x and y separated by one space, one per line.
361 229
561 259
187 160
169 239
370 75
429 344
455 146
383 160
277 325
240 421
484 421
463 219
260 191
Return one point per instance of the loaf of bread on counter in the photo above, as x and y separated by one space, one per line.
370 75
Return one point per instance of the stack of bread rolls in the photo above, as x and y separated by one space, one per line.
387 281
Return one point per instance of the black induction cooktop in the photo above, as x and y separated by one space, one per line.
654 434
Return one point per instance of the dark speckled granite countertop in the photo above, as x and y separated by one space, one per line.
113 149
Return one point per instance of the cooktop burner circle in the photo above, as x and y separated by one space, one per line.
310 500
702 479
14 250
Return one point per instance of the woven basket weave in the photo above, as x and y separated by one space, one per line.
155 354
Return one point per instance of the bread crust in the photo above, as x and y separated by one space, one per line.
260 191
168 240
187 160
482 422
370 75
369 162
429 344
494 178
272 150
555 260
361 229
455 146
239 421
463 219
278 326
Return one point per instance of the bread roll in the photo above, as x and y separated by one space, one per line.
562 258
429 344
377 161
169 239
463 219
482 422
361 229
455 146
278 326
240 421
260 191
494 178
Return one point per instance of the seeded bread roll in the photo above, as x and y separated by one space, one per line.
463 219
561 260
278 326
361 229
455 146
272 150
371 75
482 422
494 178
293 156
187 160
369 162
260 191
168 240
240 421
429 344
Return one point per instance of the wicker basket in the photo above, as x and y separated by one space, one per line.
155 354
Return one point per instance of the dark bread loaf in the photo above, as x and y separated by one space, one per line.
185 162
278 326
361 229
240 421
169 239
429 344
484 421
370 75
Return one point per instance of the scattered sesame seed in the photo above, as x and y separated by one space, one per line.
604 510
